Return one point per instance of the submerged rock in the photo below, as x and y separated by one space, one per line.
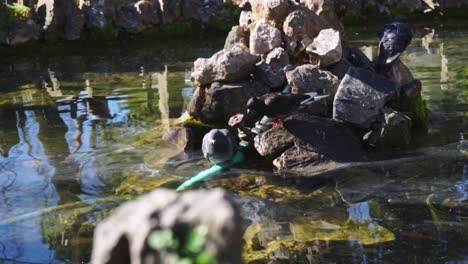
223 100
326 48
226 65
271 69
264 38
361 96
320 145
325 136
131 234
182 138
303 162
394 131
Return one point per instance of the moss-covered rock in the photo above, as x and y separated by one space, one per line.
394 131
417 109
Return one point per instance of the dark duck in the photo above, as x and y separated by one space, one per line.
395 36
218 146
278 105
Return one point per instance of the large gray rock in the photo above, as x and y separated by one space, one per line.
271 69
223 100
274 11
326 48
264 37
320 145
300 28
303 162
273 142
308 78
237 36
325 136
226 65
124 236
393 131
361 96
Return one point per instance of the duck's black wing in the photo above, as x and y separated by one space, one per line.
282 104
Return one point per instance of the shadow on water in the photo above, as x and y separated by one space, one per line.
80 134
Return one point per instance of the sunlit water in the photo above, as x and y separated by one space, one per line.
89 140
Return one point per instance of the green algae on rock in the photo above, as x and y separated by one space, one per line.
365 233
135 185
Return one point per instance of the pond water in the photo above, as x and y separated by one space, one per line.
80 133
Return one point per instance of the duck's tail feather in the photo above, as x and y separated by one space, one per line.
313 97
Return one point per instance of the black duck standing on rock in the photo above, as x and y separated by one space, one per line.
395 36
275 105
219 145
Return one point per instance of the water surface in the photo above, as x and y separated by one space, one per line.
80 133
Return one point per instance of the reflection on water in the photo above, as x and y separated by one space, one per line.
79 134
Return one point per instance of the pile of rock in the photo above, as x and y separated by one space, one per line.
281 43
68 19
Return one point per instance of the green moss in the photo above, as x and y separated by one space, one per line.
136 185
366 233
52 38
13 13
18 11
198 128
416 107
107 33
178 28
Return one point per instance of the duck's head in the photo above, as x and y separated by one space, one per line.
255 105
